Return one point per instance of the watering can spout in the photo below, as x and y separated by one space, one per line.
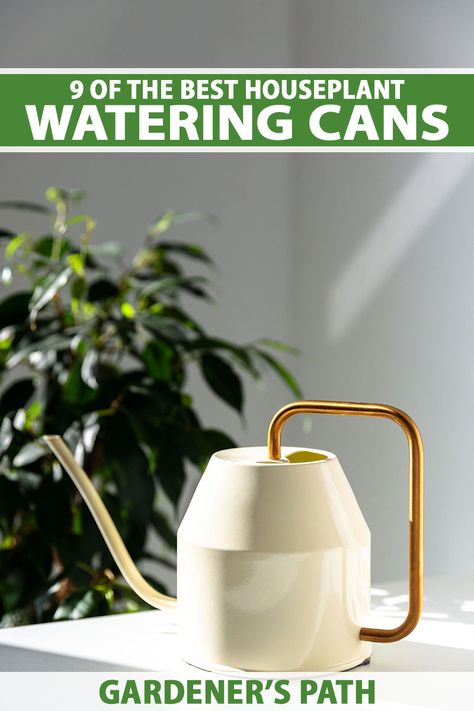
107 527
261 512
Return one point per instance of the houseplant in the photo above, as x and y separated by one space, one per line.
100 350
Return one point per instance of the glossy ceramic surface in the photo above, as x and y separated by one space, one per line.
273 565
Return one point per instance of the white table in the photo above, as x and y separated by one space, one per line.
146 641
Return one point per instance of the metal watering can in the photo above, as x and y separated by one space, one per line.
274 554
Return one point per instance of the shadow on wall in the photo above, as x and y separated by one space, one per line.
421 197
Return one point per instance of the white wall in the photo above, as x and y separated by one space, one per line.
290 227
145 33
248 244
250 197
406 339
384 292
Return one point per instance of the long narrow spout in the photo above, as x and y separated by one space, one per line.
107 527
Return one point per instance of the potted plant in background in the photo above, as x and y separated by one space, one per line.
100 352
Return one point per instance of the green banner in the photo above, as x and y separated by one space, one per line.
163 110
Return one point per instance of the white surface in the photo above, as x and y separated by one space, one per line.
443 641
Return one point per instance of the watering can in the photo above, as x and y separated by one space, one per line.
274 554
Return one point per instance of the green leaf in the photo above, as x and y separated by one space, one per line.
148 404
161 314
14 309
87 220
164 327
19 421
130 467
164 528
89 369
161 560
76 262
81 604
24 205
102 290
44 294
75 391
78 288
16 396
106 249
15 243
239 353
285 375
279 346
112 384
170 467
193 251
56 195
31 452
159 358
171 218
211 441
10 502
223 380
35 410
6 276
161 223
127 310
6 434
190 284
54 342
44 247
6 338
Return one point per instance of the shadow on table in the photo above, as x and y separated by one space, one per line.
418 656
438 604
19 659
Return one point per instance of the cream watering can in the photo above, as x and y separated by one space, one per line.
274 554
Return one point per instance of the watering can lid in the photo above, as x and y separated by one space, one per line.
259 455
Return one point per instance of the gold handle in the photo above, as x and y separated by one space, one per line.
415 516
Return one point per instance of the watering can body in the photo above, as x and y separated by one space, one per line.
274 554
273 565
